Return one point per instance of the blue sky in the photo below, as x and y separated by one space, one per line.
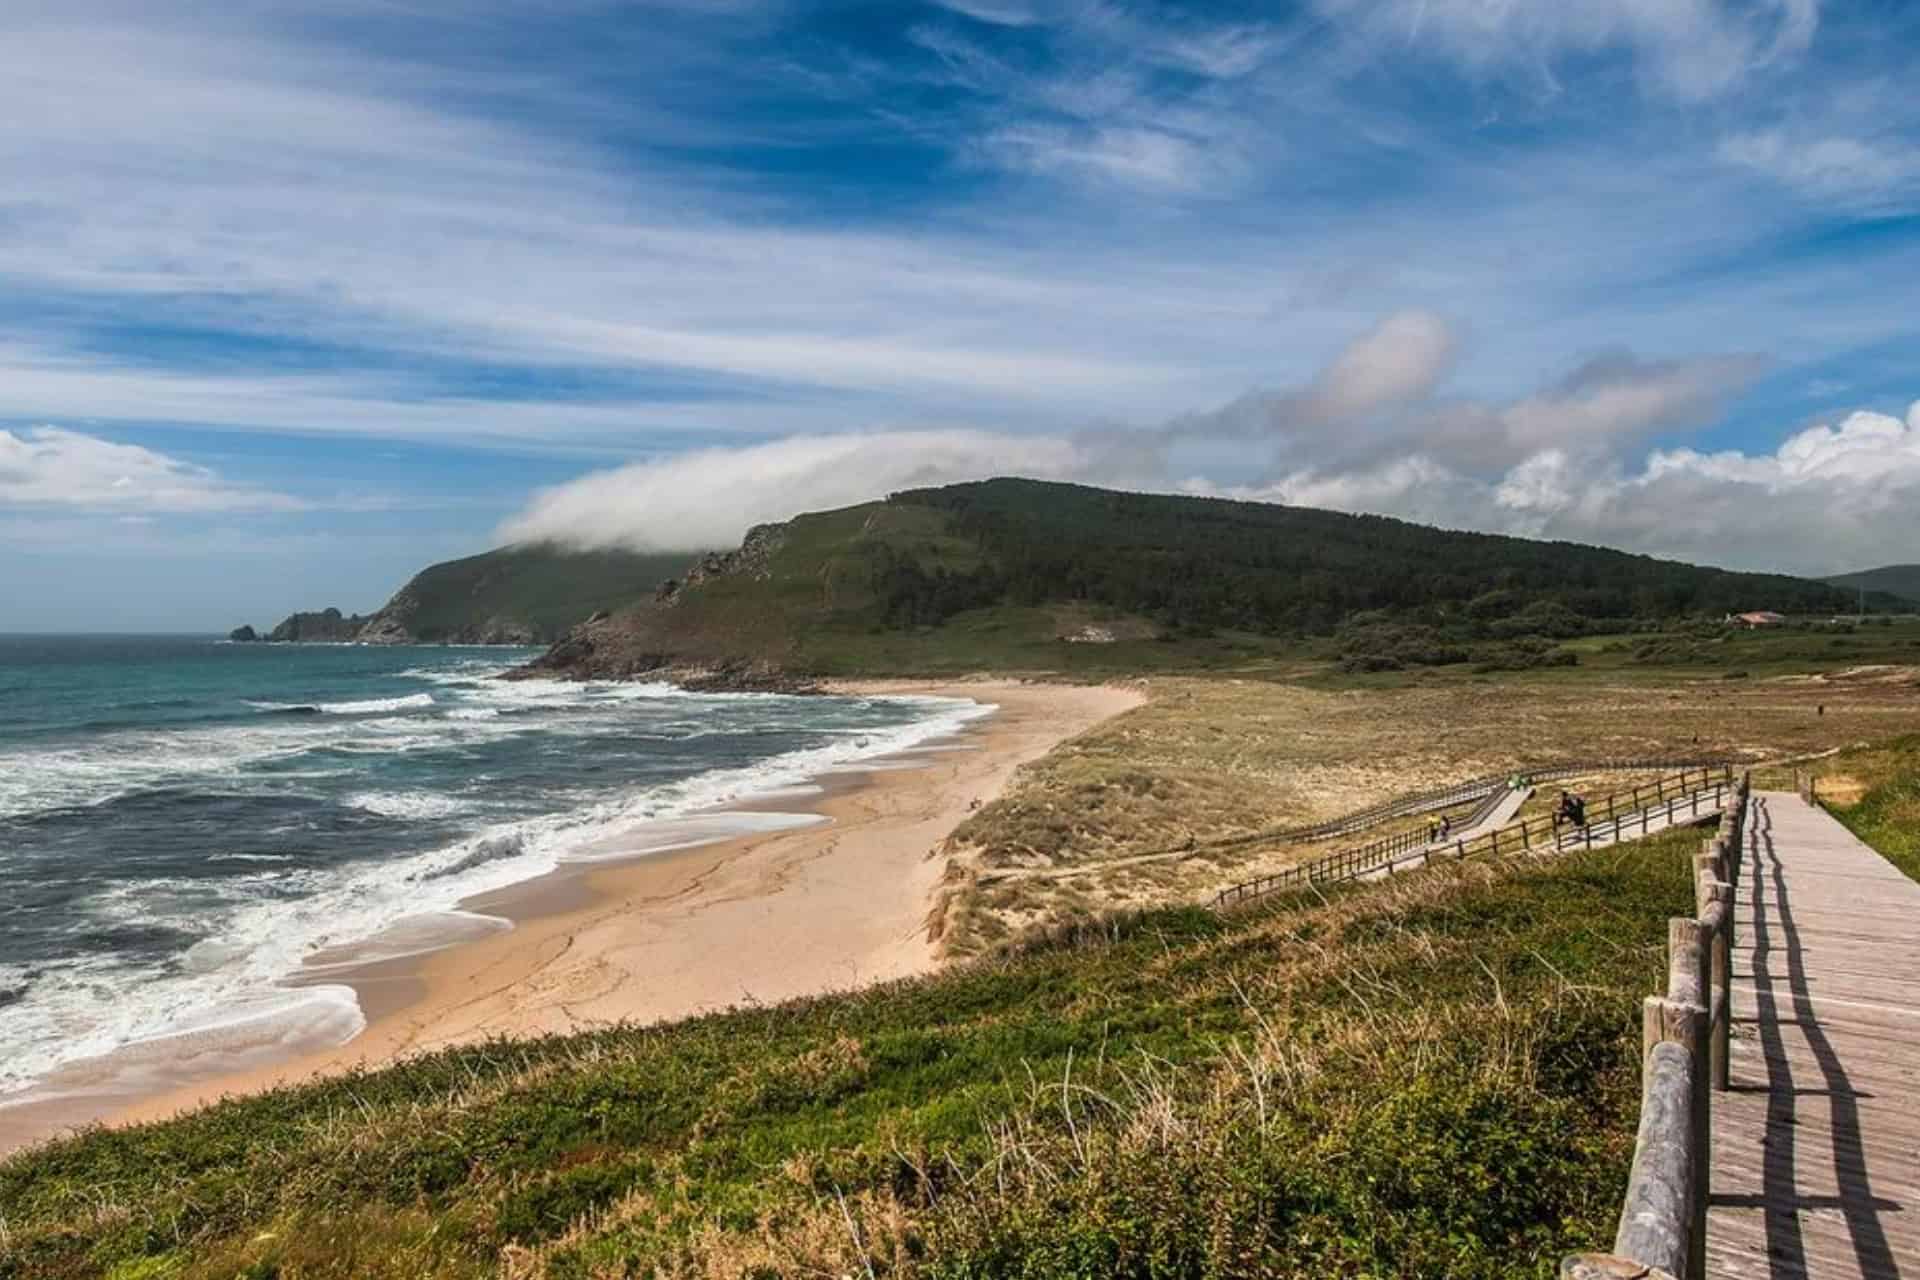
298 297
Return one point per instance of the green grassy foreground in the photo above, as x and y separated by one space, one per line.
1435 1076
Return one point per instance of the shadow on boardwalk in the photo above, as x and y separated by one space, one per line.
1817 1151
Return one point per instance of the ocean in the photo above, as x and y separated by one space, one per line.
185 822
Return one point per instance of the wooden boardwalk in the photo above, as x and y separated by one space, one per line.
1816 1146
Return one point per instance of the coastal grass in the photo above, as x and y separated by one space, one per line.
1221 757
1875 791
1433 1076
1034 639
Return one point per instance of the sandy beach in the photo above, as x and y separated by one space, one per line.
757 919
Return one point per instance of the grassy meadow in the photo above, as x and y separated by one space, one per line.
1875 791
1437 1076
1213 757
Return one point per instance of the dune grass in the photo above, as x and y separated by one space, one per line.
1436 1076
1875 791
1214 757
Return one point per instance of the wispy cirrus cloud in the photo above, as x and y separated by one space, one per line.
1686 49
613 232
1877 173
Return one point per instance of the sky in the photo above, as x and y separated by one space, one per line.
298 297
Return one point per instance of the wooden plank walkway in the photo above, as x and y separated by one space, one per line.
1816 1145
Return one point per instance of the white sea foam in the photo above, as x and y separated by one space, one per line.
363 707
664 834
82 1010
459 673
409 804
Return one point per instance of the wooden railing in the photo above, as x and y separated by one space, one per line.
1693 793
1662 1233
1432 801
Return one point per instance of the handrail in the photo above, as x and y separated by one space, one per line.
1434 799
1474 789
1610 818
1662 1233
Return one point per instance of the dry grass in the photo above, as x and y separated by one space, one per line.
1434 1076
1209 758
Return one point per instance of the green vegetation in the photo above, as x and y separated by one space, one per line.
544 589
1432 1077
1213 757
322 626
1901 580
1205 562
1020 574
1876 792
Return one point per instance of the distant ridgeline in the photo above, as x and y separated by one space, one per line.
933 577
513 595
1901 580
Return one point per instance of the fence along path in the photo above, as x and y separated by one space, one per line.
1790 1151
1689 796
1494 794
1816 1150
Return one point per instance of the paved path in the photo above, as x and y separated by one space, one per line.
1816 1148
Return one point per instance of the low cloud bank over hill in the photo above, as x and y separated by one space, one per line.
1373 431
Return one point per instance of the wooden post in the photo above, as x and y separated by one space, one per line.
1608 1266
1662 1220
1720 979
1686 1015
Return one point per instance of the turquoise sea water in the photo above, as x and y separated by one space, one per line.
183 821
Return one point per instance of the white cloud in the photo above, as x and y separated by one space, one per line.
1401 359
1687 49
999 13
710 497
48 467
1134 156
1366 433
1615 398
1855 171
1827 499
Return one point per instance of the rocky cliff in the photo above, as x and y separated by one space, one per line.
527 595
327 626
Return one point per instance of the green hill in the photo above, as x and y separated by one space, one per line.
983 574
1901 580
522 594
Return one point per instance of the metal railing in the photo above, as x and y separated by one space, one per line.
1691 794
1662 1234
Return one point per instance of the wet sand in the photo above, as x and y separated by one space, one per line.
643 938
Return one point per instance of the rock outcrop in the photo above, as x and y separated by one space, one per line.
750 558
652 639
327 626
243 635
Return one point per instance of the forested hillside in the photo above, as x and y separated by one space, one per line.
992 573
1902 580
1264 567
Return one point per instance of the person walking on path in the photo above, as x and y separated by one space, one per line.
1564 811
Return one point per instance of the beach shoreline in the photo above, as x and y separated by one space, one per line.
653 936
